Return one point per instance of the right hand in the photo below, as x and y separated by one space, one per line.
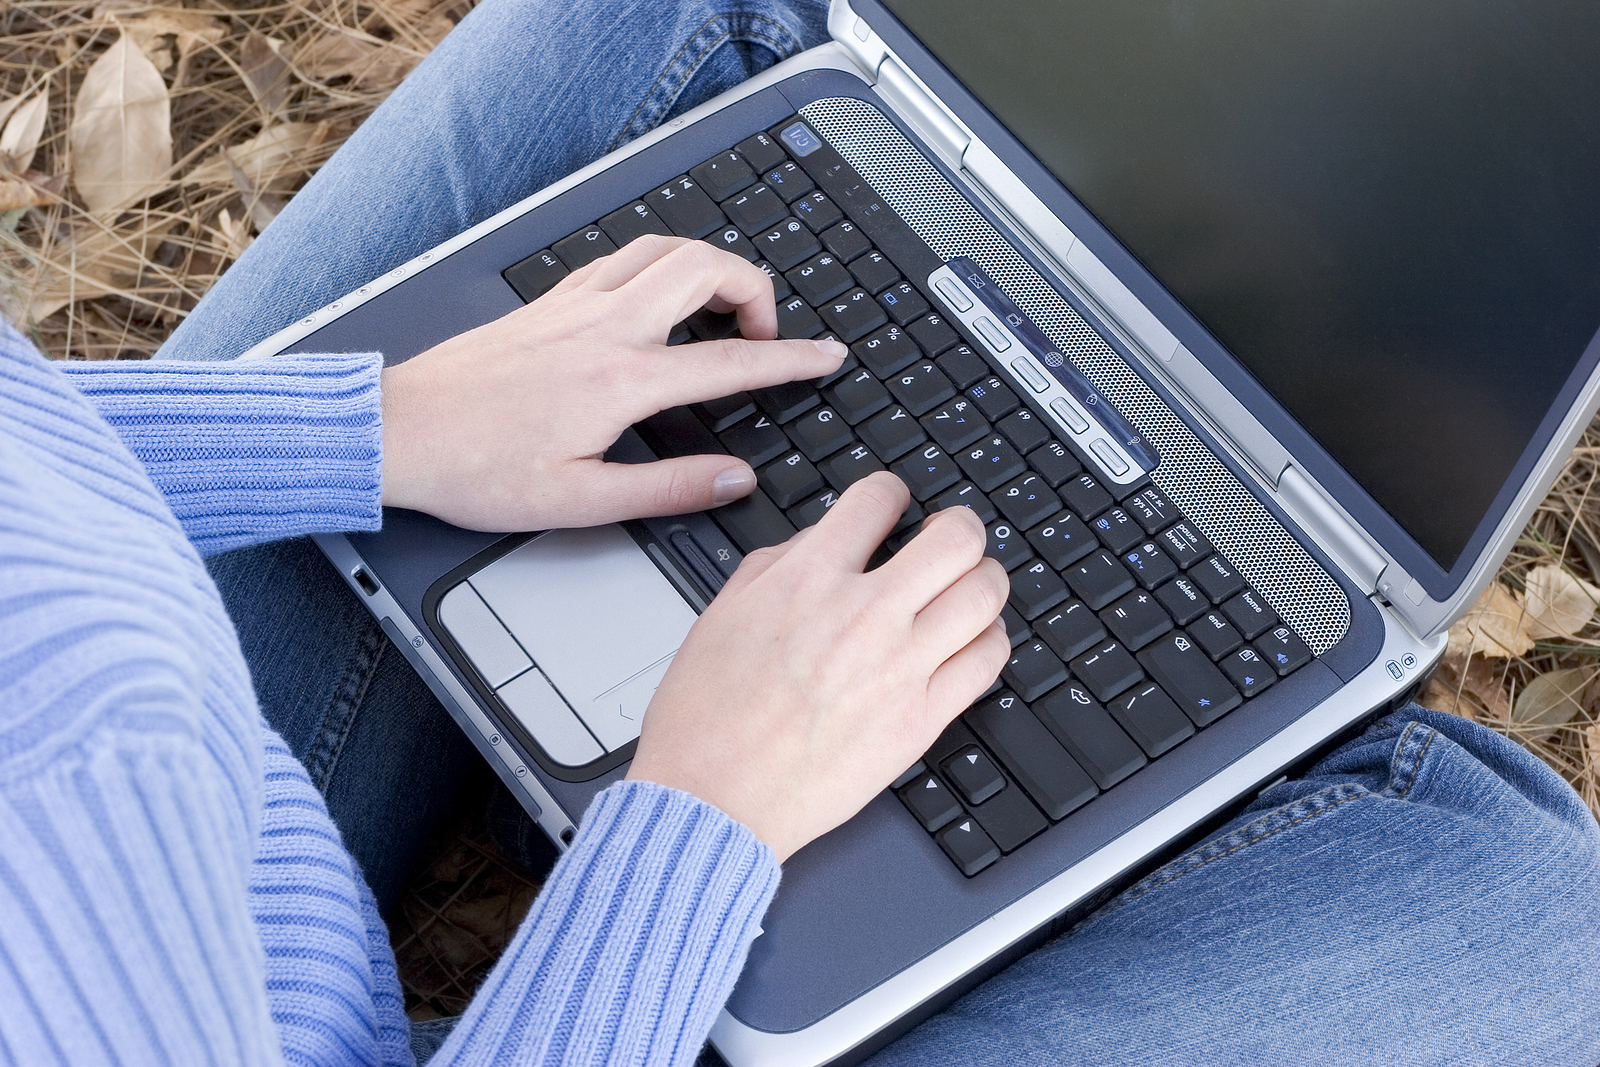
808 685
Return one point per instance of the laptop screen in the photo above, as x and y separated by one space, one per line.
1388 212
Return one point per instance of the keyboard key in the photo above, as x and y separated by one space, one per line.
1117 530
991 463
917 768
676 432
853 315
858 396
1187 674
1006 546
845 241
1215 635
724 411
1150 566
788 181
789 479
1098 579
921 387
893 433
961 365
1023 430
756 440
761 151
929 802
583 247
850 365
849 465
966 495
1282 648
1035 589
820 278
708 325
730 239
1085 495
1040 765
810 513
994 400
819 433
873 272
967 846
787 400
1062 541
723 175
1248 672
796 320
1151 719
1107 670
933 333
1054 463
1016 627
888 351
1090 735
754 522
1010 819
536 275
1071 630
633 221
1186 545
902 303
956 425
780 285
1183 600
1250 614
927 471
787 245
974 774
816 211
686 208
1026 501
1152 509
755 209
1136 619
1217 577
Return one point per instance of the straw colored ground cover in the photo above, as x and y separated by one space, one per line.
142 146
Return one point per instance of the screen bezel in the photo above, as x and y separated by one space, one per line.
1307 453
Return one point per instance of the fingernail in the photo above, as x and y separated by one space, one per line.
733 483
832 348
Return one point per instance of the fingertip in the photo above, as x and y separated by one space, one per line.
733 483
832 349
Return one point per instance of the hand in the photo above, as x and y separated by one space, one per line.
808 684
504 427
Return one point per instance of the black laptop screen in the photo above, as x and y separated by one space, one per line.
1389 212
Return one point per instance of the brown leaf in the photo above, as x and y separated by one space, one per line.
1468 686
1591 744
265 71
1559 604
1550 701
368 62
20 138
144 23
25 190
121 134
1496 625
273 161
94 261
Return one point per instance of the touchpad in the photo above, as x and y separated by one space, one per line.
600 622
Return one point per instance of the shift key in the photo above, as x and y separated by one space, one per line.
1187 674
1035 758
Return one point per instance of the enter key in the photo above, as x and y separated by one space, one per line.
1187 674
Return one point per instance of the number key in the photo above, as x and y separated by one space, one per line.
991 463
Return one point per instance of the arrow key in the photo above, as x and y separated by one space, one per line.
967 846
1248 671
974 774
932 804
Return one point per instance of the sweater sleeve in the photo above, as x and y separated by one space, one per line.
634 944
251 450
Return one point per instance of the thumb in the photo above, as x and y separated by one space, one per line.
666 487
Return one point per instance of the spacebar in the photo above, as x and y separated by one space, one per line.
754 522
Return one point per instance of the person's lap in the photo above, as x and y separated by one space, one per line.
1415 892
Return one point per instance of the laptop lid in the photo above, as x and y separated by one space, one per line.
1363 239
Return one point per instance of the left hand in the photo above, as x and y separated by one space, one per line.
504 427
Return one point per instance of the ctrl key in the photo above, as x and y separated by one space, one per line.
927 798
967 846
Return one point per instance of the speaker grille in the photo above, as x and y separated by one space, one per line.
1235 521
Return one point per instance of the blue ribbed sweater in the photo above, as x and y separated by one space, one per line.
172 889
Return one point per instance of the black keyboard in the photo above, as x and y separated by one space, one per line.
1129 632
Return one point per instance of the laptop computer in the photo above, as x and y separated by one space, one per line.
1254 332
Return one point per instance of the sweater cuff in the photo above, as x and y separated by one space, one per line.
635 942
251 450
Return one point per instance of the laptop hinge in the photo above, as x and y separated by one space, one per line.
937 126
1326 524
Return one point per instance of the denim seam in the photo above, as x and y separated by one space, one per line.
323 755
783 48
1404 758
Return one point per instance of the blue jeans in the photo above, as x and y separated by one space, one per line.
1430 892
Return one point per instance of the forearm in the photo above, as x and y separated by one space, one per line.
634 943
252 451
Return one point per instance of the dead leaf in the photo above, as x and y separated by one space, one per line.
121 134
1468 686
94 261
192 29
1550 701
274 160
235 235
1591 744
1559 604
367 61
29 189
266 72
1497 625
20 138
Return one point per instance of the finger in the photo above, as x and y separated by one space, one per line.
854 527
757 563
609 272
950 544
958 614
693 275
720 368
612 492
963 677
